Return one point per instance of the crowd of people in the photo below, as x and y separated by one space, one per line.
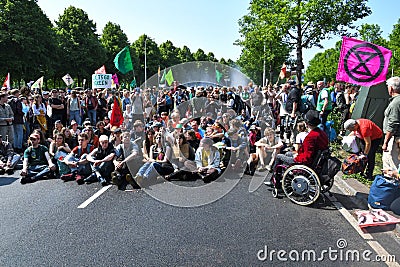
174 133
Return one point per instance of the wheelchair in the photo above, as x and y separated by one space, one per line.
300 183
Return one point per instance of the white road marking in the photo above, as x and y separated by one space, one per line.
92 198
368 237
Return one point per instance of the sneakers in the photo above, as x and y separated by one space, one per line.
91 179
102 181
268 183
261 168
131 181
79 179
9 171
26 180
116 178
67 177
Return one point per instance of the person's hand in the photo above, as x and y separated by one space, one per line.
96 163
9 120
362 156
293 115
23 173
52 167
321 112
384 147
73 165
119 166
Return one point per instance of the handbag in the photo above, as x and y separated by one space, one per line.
383 192
354 164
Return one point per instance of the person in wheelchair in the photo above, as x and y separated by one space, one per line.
315 141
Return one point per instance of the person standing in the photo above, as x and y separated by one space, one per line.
57 106
391 126
74 108
91 104
18 123
6 119
324 103
371 137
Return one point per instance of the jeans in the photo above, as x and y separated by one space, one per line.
37 172
143 169
18 135
92 116
27 131
105 169
75 115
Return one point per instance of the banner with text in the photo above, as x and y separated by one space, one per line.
101 80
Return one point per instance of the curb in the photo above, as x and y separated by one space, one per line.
358 193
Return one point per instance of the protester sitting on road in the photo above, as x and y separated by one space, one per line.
159 162
8 159
37 163
115 138
102 162
76 160
192 139
207 160
125 153
371 136
58 150
238 148
93 139
268 144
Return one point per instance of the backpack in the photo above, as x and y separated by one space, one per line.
353 164
340 101
330 168
383 192
305 104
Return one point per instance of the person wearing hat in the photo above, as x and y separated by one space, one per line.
315 141
101 159
115 138
371 137
8 159
37 163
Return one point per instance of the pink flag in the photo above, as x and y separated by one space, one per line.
115 79
7 83
101 70
362 63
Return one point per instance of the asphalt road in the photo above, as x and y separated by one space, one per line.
41 225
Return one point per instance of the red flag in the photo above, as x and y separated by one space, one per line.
6 83
101 70
282 74
116 114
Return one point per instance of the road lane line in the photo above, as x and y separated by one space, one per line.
92 198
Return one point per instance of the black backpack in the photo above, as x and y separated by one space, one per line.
340 101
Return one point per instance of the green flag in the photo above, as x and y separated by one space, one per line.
133 83
123 61
169 77
163 77
218 75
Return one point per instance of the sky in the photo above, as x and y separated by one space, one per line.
211 25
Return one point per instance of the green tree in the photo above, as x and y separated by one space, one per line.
199 55
323 66
28 46
153 57
308 22
263 45
185 55
372 33
169 54
82 51
394 45
113 40
211 57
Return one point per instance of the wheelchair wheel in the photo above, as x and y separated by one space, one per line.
301 185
